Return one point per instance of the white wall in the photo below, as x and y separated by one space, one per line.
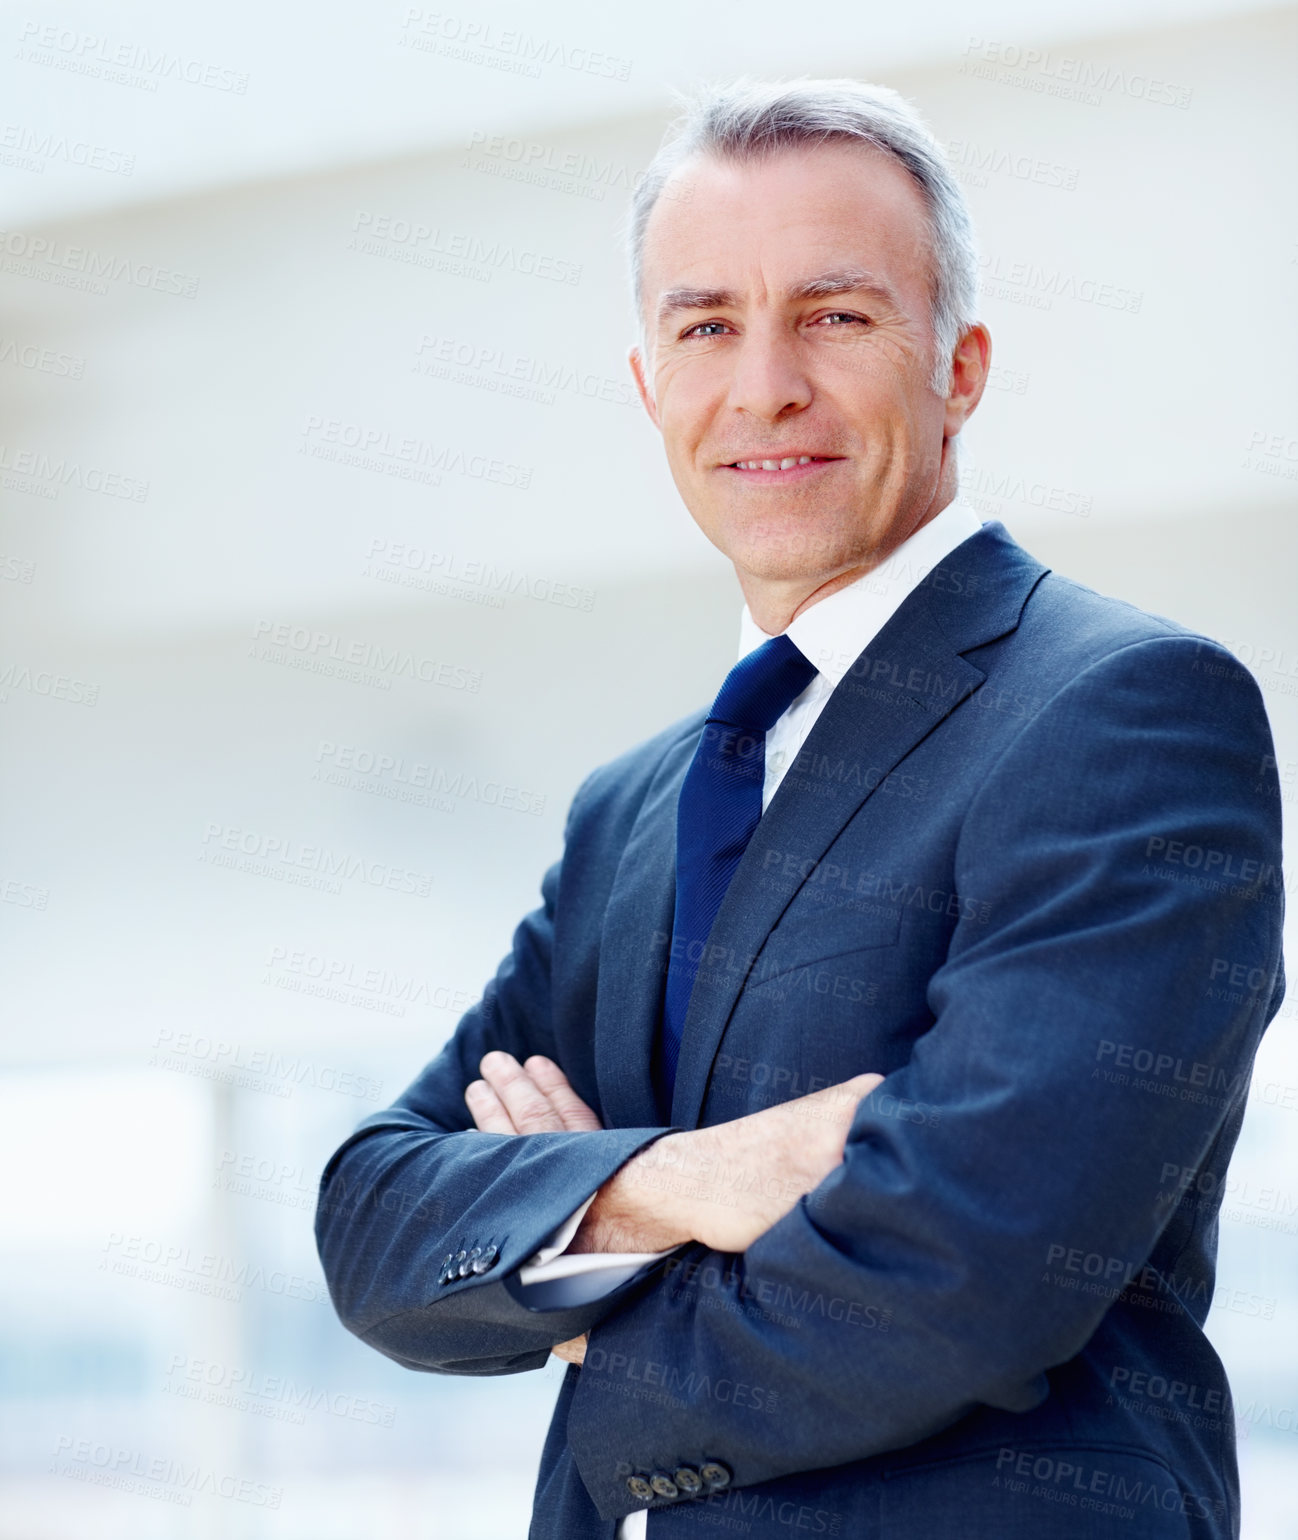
1166 428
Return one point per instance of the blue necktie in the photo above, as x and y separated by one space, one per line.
720 804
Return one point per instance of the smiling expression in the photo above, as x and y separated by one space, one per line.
787 311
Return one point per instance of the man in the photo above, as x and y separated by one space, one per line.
833 1115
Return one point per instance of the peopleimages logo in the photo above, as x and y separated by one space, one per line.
42 256
1038 285
32 149
274 1396
1065 75
352 766
64 687
482 42
46 472
41 357
487 367
475 579
255 1068
106 58
202 1272
260 854
357 661
454 251
413 459
575 172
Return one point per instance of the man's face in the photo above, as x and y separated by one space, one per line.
787 307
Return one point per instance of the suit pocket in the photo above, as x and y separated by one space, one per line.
811 934
806 1016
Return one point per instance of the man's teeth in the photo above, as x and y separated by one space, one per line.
772 465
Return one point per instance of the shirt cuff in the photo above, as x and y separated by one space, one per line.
634 1527
551 1260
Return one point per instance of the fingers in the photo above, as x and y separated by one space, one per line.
531 1098
487 1109
577 1117
847 1093
573 1352
857 1086
526 1104
536 1097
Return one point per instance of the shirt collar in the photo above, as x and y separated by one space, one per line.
833 632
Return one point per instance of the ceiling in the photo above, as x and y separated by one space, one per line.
155 100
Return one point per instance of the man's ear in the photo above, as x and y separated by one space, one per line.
636 359
969 367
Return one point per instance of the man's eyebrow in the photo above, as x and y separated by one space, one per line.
676 300
845 280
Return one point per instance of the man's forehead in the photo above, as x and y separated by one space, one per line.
859 232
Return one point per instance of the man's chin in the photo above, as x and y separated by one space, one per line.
791 560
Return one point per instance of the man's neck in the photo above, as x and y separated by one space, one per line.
776 603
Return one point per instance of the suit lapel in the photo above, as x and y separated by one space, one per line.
633 948
901 687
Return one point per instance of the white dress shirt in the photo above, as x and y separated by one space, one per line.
832 634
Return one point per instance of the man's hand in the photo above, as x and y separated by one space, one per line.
724 1185
573 1352
529 1098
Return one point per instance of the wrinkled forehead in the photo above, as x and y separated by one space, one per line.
760 227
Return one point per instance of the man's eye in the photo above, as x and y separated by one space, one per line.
844 315
701 330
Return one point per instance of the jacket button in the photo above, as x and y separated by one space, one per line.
466 1267
639 1488
687 1479
485 1262
663 1484
715 1475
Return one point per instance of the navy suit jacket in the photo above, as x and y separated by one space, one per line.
1027 867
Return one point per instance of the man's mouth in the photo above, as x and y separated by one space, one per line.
781 468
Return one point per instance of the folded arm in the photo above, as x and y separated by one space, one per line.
536 1097
424 1221
790 1148
914 1284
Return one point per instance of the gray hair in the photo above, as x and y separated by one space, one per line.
748 119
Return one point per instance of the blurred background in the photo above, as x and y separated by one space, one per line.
327 505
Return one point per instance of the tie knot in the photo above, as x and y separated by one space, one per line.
762 685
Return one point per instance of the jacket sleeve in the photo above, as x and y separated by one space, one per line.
1122 845
423 1221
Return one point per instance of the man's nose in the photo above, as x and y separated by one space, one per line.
770 377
